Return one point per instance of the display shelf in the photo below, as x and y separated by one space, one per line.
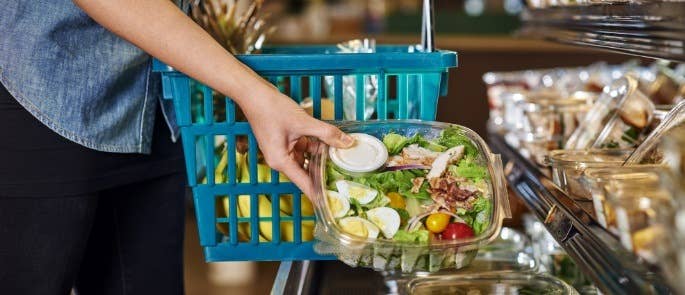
597 252
650 29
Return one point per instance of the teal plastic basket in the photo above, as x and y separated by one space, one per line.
230 206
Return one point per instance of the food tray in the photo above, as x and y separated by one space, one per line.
383 254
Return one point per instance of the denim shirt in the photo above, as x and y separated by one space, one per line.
76 77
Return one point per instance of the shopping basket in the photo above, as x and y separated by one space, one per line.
246 211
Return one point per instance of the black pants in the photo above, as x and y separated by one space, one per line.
125 240
98 222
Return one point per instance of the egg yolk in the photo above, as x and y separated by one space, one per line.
335 205
357 192
355 227
377 221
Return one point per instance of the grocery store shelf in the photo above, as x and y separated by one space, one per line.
653 29
495 43
596 251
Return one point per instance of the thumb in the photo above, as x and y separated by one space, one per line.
331 135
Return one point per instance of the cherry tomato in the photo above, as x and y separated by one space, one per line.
437 222
457 230
396 200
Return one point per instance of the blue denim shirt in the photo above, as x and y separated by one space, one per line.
77 78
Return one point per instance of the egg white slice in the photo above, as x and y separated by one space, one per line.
387 219
338 204
352 190
352 225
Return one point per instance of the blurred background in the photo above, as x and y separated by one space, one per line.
483 32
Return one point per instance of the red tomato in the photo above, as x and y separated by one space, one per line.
457 230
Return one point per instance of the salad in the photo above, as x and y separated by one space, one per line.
428 190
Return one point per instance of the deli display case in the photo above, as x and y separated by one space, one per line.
594 153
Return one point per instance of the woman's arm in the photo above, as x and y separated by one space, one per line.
161 29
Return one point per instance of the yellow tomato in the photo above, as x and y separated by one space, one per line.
396 200
437 222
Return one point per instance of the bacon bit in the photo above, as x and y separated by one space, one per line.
446 192
417 182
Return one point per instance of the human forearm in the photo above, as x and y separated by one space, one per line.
161 29
278 123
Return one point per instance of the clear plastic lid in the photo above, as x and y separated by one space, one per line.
626 174
389 254
587 158
617 119
504 283
579 100
367 154
674 118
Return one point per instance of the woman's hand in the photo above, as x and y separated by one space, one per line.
281 128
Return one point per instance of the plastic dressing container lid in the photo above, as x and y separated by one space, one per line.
367 154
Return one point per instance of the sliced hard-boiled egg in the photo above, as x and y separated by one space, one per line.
352 190
387 219
338 204
359 227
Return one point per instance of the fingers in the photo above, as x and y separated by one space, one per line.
295 173
330 134
299 177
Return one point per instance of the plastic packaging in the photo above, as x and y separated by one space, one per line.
648 152
642 215
548 121
673 147
369 83
568 167
599 180
665 87
382 254
617 120
500 84
493 283
367 154
510 252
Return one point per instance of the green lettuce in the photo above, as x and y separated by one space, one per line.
427 144
454 136
404 216
479 215
357 208
380 201
396 181
333 174
395 143
469 169
420 236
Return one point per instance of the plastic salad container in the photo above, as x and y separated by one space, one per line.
642 215
440 196
510 252
493 283
498 84
598 180
617 120
548 121
568 167
673 147
648 151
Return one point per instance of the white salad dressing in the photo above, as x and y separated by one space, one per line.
366 155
